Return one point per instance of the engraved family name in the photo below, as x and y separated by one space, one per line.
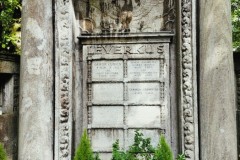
126 49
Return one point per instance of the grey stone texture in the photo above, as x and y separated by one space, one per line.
36 93
217 99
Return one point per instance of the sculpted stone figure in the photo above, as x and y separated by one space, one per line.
126 15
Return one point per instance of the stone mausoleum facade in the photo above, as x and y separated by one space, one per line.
114 66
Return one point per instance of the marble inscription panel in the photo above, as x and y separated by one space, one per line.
143 69
107 93
144 93
102 139
107 70
127 89
144 116
107 116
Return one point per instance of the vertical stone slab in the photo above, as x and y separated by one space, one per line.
64 15
36 92
217 99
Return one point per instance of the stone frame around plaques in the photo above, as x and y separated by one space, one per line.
148 53
186 58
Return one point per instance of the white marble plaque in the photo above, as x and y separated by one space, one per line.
143 69
144 116
102 139
143 93
107 116
107 70
107 93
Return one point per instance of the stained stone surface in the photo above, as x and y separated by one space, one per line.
107 116
9 63
36 81
102 139
144 116
113 93
105 16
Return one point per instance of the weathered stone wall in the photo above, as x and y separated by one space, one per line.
217 93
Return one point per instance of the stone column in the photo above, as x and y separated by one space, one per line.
217 98
36 81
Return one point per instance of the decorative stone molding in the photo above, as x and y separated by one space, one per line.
63 82
188 107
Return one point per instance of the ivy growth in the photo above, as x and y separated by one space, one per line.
10 25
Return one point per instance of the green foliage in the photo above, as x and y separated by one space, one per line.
84 150
3 154
181 157
141 149
117 153
97 157
163 151
10 25
236 24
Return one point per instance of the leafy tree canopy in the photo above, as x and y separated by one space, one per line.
10 26
236 24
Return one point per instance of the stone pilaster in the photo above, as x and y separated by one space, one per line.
64 43
36 81
217 99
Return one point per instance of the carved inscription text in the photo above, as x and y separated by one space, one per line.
126 49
